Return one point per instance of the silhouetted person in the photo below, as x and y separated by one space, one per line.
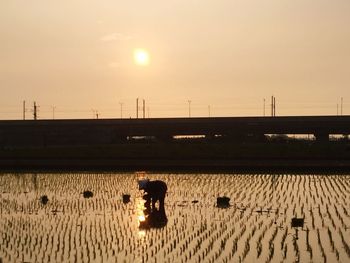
155 191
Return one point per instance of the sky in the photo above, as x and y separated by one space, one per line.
75 58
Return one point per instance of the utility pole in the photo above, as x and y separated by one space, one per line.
264 108
273 106
24 110
341 106
121 110
337 109
189 108
209 111
53 112
137 108
144 108
94 113
35 113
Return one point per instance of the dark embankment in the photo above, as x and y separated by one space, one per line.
182 155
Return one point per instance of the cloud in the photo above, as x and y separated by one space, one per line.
114 37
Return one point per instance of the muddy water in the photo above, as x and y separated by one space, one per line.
190 228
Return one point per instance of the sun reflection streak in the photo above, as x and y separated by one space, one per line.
141 218
140 207
142 234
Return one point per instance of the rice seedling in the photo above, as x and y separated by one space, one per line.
106 227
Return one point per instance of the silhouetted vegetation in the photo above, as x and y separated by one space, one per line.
44 199
88 194
126 198
223 202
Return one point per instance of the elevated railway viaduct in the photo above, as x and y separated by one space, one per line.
23 133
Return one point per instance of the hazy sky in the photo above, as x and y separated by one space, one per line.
77 55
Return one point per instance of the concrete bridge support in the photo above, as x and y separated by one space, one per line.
210 136
322 137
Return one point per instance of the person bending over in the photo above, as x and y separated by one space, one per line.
155 191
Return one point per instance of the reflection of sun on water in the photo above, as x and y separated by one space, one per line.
142 234
140 215
139 210
141 218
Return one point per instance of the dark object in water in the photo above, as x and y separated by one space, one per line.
195 201
126 198
88 194
44 199
297 222
223 202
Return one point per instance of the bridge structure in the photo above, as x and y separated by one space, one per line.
17 133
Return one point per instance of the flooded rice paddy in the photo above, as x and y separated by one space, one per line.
102 228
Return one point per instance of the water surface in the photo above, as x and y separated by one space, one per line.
256 227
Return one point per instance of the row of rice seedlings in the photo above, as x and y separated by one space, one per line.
219 245
15 239
75 239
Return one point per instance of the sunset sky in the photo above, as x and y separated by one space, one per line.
79 57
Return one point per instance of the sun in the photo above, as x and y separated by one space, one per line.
141 57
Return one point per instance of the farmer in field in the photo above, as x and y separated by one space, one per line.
155 191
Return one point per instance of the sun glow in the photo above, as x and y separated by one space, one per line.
141 57
139 211
141 218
